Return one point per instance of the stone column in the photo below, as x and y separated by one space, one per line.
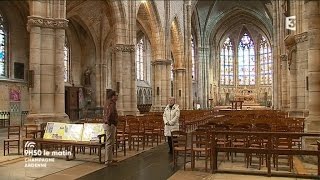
180 87
203 76
284 89
292 66
47 96
302 66
125 79
187 47
34 65
161 86
312 123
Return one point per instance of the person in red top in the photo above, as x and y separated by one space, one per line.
110 124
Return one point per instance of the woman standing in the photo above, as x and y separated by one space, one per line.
171 120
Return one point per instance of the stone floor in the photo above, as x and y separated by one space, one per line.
153 163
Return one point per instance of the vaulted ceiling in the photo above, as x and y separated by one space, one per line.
211 13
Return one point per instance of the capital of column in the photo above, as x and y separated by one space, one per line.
284 57
53 23
289 41
302 37
161 62
124 48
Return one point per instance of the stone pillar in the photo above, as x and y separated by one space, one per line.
180 87
302 66
125 79
312 123
284 89
203 76
292 66
47 37
161 85
187 46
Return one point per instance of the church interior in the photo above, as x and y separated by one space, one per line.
245 73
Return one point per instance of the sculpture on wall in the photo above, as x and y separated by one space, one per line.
87 74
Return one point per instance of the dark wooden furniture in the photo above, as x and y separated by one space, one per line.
268 150
4 119
23 117
235 104
72 102
13 140
69 145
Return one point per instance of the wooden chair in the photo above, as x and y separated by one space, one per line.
136 134
201 143
121 137
4 119
179 145
13 137
255 142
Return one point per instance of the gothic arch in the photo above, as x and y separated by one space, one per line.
148 18
177 44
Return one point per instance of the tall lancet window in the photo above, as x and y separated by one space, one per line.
246 61
66 61
3 48
226 63
265 62
139 59
192 58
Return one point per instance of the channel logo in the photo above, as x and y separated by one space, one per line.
30 144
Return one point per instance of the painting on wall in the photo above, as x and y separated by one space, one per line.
15 93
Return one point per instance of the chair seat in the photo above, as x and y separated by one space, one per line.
10 140
201 149
181 149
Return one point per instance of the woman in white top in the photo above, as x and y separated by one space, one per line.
171 120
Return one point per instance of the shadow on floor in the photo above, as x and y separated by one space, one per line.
155 164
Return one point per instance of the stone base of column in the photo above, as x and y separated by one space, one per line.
311 125
310 143
155 108
133 112
43 118
298 113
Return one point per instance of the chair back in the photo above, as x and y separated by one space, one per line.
14 132
179 139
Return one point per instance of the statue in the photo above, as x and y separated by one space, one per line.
87 74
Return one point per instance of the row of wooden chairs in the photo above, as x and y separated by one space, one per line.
13 139
202 145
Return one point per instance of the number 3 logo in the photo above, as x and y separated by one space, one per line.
291 23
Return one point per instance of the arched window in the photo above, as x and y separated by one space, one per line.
192 57
226 63
246 61
265 62
3 48
139 60
66 61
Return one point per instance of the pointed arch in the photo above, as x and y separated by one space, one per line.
227 62
149 19
176 43
246 59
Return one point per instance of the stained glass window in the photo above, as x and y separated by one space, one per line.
139 59
3 48
66 61
265 62
192 57
226 63
246 61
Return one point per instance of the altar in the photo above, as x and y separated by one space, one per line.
247 96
